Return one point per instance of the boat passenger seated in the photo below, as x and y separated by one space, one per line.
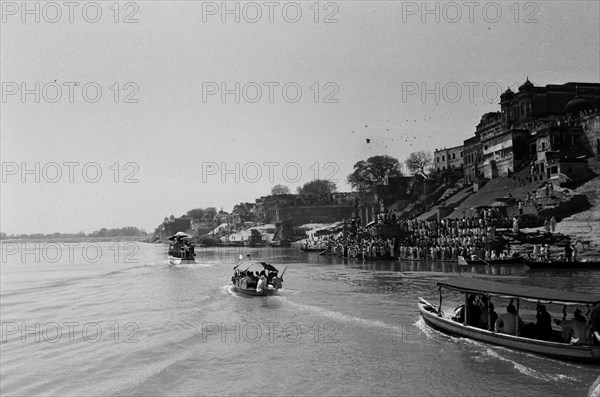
543 323
507 323
574 330
542 329
459 314
488 316
247 281
473 311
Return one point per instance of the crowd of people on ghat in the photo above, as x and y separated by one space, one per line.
577 330
446 239
443 240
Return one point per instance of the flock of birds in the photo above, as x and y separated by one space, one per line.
407 138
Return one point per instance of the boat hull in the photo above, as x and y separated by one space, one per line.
563 265
179 261
564 351
253 292
517 260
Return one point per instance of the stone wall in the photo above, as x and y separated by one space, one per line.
591 127
178 225
317 214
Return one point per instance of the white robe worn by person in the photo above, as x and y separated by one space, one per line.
262 284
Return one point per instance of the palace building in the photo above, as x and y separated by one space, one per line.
551 129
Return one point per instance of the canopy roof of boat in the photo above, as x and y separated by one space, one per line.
181 235
474 285
252 265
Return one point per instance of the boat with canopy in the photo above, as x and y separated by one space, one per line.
256 278
586 350
181 249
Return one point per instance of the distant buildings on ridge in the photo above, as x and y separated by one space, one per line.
550 130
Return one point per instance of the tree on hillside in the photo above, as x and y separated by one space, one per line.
280 189
418 162
373 172
210 212
197 213
319 189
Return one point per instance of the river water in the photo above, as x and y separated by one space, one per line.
117 319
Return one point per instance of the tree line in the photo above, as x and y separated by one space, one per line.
367 173
127 231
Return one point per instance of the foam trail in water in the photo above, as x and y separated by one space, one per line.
343 317
227 289
429 332
529 371
495 353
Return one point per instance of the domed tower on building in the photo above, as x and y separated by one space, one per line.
507 95
517 108
527 86
577 105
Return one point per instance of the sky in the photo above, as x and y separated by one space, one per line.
118 114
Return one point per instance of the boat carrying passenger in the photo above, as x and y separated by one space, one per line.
579 339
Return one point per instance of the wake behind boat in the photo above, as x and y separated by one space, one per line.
181 249
256 278
583 344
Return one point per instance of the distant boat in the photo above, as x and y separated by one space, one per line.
311 249
563 265
233 243
435 318
181 249
268 284
249 243
513 260
281 243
